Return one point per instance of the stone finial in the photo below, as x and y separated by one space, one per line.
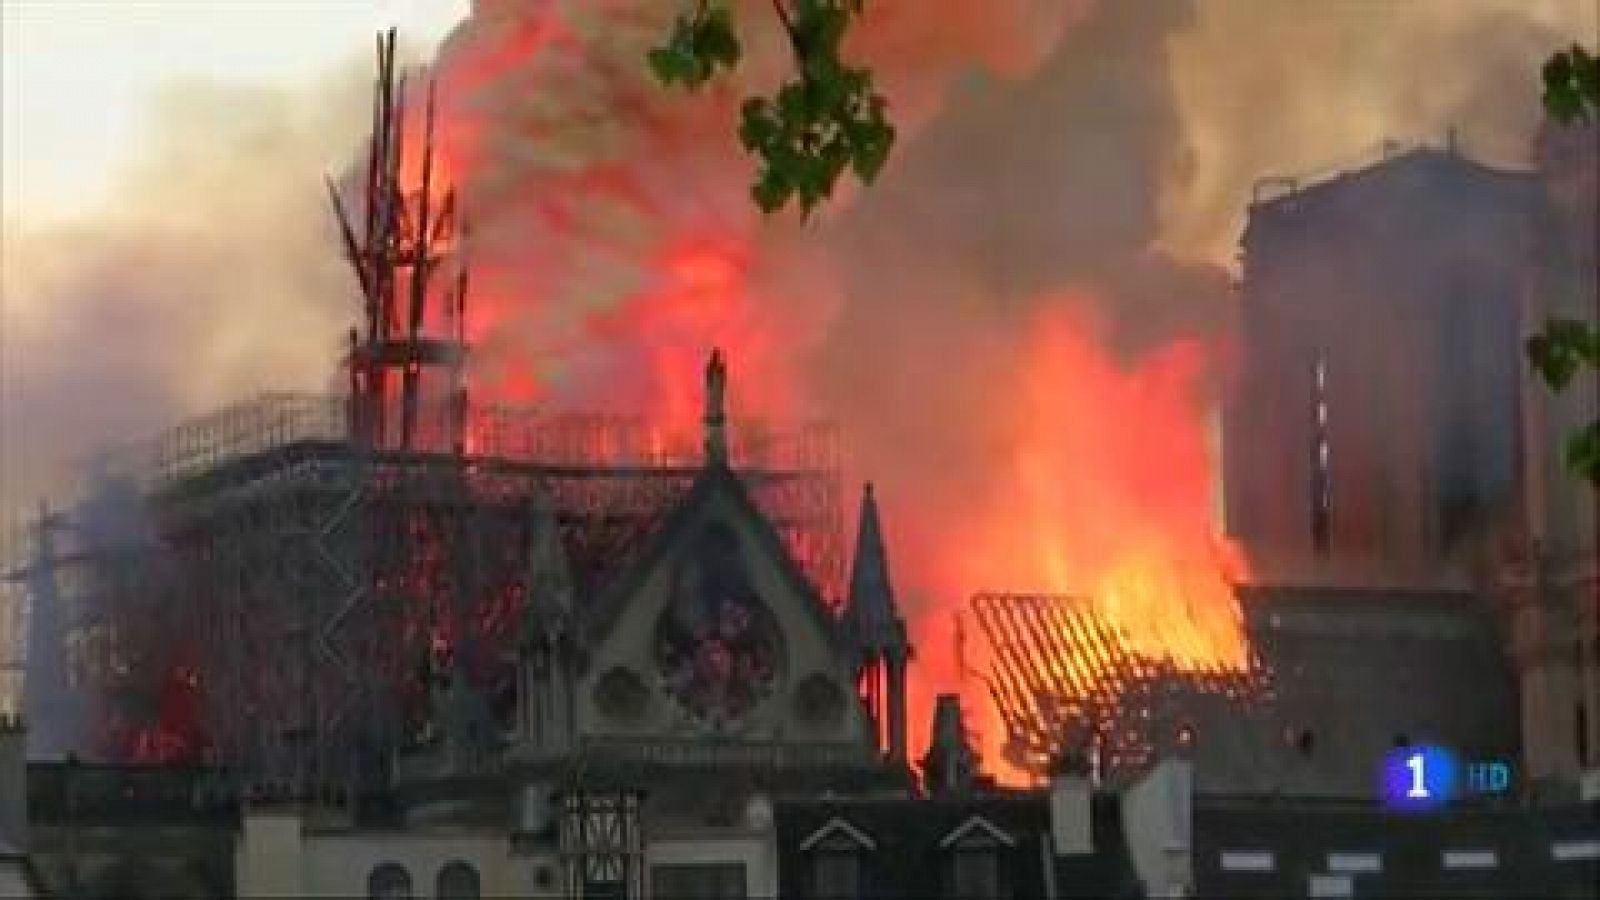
716 417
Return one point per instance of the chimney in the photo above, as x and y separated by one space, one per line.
269 858
13 782
1072 807
950 767
1158 823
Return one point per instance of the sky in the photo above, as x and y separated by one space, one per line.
80 77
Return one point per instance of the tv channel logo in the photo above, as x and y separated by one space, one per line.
1419 779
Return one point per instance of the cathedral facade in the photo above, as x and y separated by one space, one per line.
704 727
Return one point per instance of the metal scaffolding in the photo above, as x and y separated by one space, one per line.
302 559
298 581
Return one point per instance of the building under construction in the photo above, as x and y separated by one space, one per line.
264 587
269 586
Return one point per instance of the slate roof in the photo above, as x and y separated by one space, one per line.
1389 855
906 859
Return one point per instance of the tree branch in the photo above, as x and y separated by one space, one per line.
784 17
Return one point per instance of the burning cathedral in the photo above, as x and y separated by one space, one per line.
401 642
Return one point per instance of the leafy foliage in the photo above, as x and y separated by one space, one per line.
827 119
1559 353
1567 346
697 47
1583 451
1572 85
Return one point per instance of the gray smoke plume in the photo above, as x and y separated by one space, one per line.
1090 160
210 272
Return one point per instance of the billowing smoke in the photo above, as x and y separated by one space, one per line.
210 272
1269 88
1021 327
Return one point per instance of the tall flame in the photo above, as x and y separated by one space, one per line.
619 244
1101 489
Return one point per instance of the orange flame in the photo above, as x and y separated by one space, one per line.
1099 474
1105 495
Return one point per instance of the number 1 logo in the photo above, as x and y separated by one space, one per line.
1417 779
1418 764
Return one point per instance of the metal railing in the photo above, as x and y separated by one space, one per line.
552 437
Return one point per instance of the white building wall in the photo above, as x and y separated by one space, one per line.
279 858
269 858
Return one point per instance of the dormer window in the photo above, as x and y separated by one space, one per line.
836 852
976 874
837 873
975 849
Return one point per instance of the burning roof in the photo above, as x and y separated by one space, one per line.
1067 680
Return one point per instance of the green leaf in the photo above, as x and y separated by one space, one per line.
671 65
1564 347
758 127
771 191
1583 452
873 152
715 40
1571 93
792 105
827 120
696 48
1572 85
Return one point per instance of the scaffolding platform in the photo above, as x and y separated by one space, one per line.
298 579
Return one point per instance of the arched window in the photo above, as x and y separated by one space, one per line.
389 881
458 881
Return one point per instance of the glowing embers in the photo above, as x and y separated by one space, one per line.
1065 678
